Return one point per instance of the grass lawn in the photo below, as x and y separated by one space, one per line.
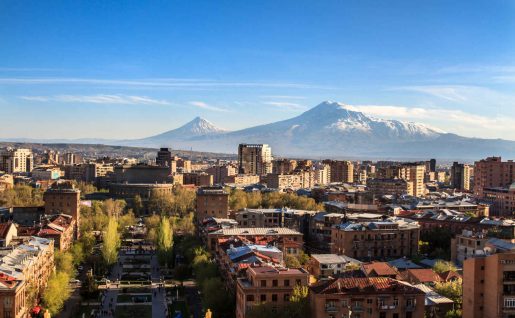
140 311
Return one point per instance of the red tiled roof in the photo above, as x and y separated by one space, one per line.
4 229
368 285
449 275
380 268
423 275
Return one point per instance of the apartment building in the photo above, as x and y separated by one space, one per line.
199 179
391 238
267 284
366 297
460 176
322 173
294 219
258 234
501 200
17 160
63 198
211 202
13 297
492 172
329 265
284 181
32 261
221 172
254 159
389 186
341 171
242 180
283 166
489 286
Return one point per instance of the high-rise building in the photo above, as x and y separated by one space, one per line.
165 159
283 166
493 173
70 158
432 165
460 176
16 160
322 173
254 159
413 173
211 202
341 171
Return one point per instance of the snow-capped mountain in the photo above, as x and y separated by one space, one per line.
331 130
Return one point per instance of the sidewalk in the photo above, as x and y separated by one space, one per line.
159 306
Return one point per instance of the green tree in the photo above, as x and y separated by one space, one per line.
215 297
113 207
452 290
126 220
164 241
64 262
454 313
151 224
137 205
444 266
161 202
111 242
184 201
292 261
56 292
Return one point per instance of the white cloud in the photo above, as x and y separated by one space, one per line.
206 106
99 99
283 97
455 121
158 82
451 93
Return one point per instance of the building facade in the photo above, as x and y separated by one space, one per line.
16 160
254 159
211 202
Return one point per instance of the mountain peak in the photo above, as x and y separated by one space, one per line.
200 126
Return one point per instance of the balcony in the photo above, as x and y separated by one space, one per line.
410 307
357 309
331 308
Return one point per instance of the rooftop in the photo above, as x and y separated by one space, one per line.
370 285
256 231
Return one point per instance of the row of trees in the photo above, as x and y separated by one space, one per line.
179 202
58 291
239 200
21 195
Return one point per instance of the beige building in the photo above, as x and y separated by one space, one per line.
6 182
322 173
341 171
13 297
221 172
501 200
284 181
254 159
242 180
460 176
16 160
267 284
32 262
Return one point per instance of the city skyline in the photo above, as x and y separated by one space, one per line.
157 66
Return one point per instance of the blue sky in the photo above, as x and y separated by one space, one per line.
126 69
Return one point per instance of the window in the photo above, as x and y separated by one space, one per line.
263 298
369 301
382 314
509 302
396 302
344 303
250 297
274 297
298 282
286 282
286 297
395 315
263 283
274 283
